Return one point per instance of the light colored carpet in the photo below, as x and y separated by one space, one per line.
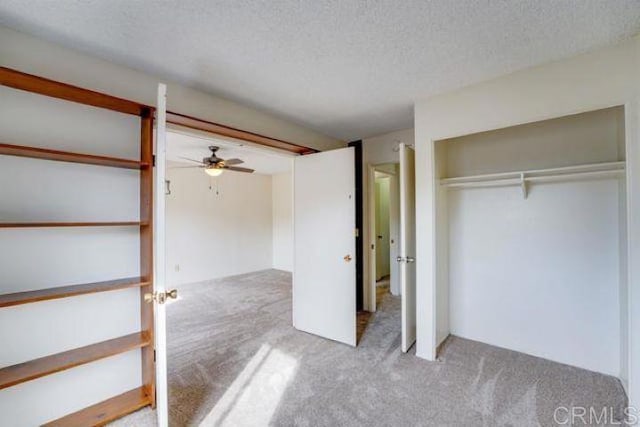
235 359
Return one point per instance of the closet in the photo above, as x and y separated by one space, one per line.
76 236
532 230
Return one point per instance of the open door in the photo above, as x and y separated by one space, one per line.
159 286
324 273
406 259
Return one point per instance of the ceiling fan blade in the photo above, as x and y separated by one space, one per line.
237 169
191 160
185 167
231 162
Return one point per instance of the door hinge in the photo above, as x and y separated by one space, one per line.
154 355
357 232
153 160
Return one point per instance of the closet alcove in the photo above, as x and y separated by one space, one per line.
531 224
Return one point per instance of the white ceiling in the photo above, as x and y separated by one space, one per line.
264 161
350 69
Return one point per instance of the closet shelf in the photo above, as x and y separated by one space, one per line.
71 224
522 178
67 156
18 298
27 371
106 411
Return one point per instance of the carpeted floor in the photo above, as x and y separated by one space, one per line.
235 360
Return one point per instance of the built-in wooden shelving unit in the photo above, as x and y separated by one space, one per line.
101 412
104 412
27 371
18 298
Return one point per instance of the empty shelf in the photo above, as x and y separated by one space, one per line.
106 411
67 156
37 368
34 224
26 297
54 89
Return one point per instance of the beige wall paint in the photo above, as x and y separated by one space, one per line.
217 227
282 201
36 56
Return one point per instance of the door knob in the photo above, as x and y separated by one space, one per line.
347 258
161 297
411 259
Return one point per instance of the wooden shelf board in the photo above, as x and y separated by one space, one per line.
105 412
32 224
67 156
42 86
27 297
37 368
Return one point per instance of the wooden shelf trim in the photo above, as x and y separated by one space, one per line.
105 412
66 156
37 368
29 82
18 298
229 132
70 224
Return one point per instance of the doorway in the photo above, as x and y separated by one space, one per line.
384 221
228 253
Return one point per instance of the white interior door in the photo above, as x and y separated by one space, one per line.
159 286
324 273
407 245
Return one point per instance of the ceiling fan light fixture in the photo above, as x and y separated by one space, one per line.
213 171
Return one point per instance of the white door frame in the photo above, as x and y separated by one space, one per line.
159 285
370 250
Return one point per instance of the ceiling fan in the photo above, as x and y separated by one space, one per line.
214 165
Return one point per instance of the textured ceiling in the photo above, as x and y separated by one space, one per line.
347 68
262 160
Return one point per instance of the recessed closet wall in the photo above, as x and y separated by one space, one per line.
541 271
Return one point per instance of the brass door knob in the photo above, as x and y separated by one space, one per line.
347 258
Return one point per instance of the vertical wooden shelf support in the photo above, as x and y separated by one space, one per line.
146 251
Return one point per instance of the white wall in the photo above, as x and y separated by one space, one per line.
42 258
219 231
282 202
378 150
592 81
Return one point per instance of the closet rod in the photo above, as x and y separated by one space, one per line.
505 182
551 174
